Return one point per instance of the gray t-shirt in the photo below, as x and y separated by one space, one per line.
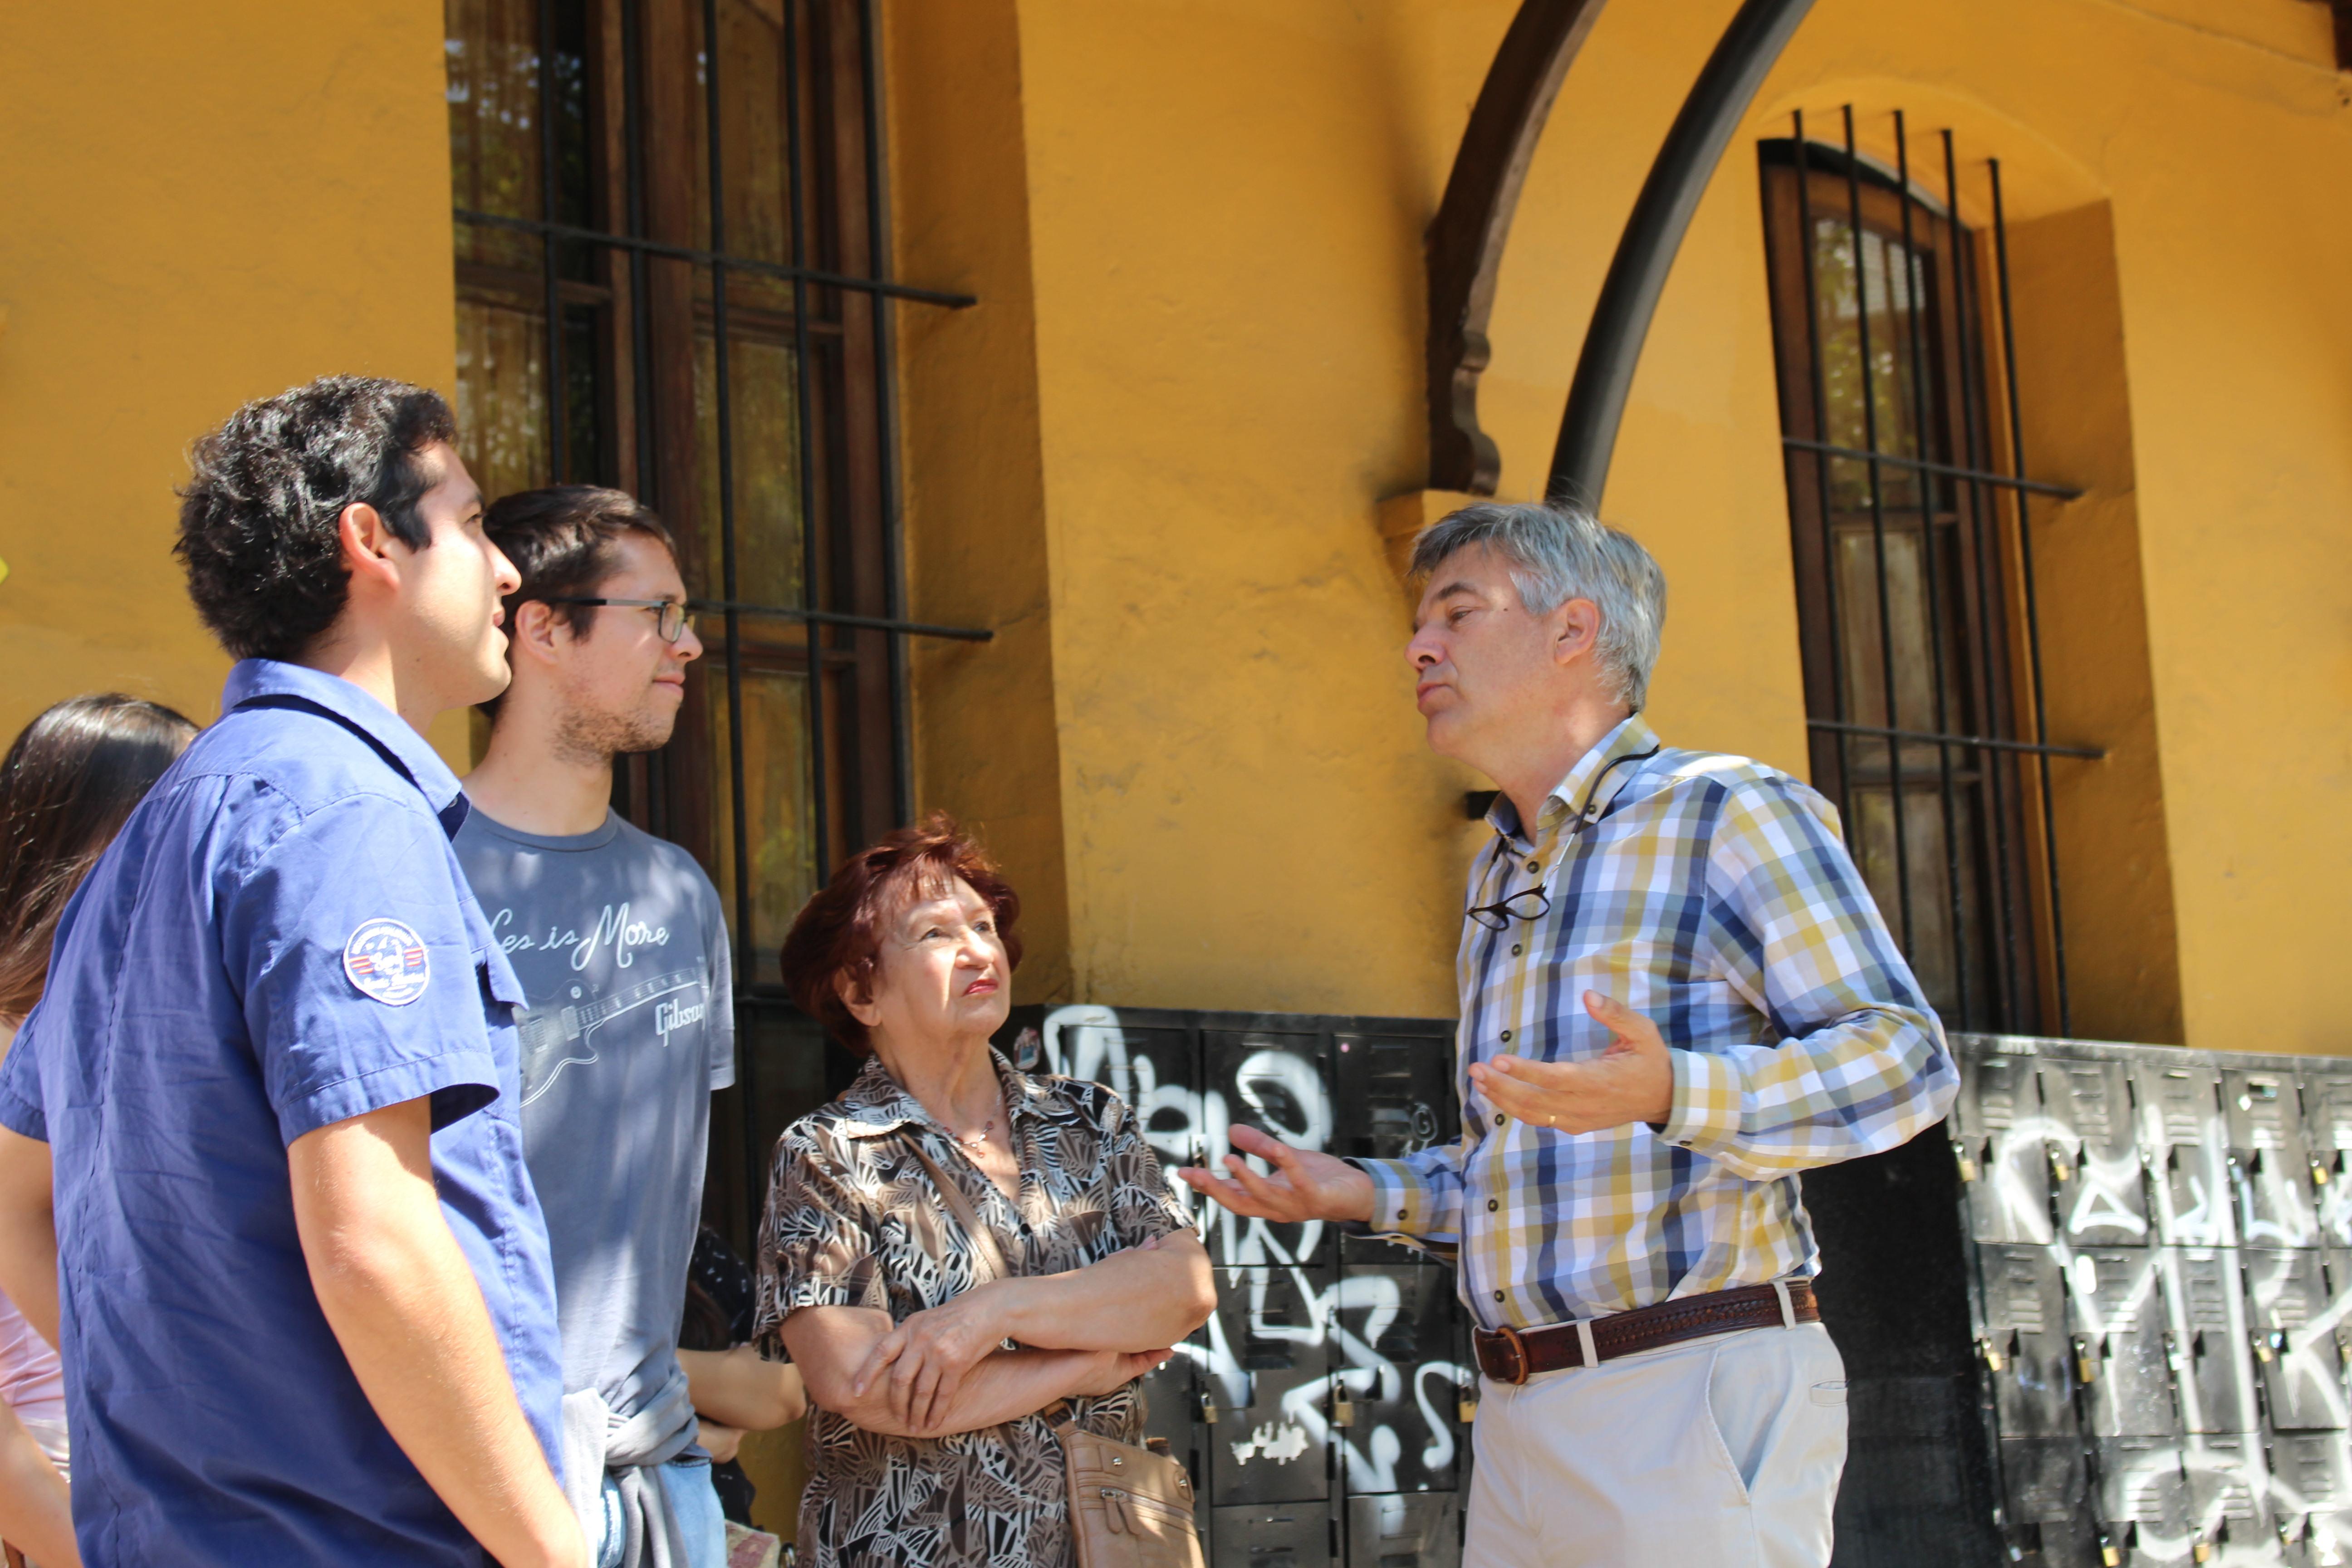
622 948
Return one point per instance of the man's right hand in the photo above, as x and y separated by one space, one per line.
1304 1184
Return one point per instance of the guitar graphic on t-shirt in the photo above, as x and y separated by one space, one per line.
554 1038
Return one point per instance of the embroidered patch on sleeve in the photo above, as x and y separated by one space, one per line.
386 961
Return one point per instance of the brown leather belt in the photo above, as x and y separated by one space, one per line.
1514 1355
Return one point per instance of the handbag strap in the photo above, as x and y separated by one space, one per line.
1060 1415
983 1240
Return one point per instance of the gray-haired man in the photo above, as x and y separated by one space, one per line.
1624 1197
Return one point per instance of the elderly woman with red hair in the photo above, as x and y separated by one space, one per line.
927 1372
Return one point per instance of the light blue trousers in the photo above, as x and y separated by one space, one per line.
695 1502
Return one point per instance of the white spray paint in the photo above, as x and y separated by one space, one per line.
1277 1088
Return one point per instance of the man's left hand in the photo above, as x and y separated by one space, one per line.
1633 1080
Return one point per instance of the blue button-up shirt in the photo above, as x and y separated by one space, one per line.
280 938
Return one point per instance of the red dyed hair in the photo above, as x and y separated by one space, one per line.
838 933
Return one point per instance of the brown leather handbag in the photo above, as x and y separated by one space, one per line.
1130 1507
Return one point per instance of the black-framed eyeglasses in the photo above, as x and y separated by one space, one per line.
669 618
1527 904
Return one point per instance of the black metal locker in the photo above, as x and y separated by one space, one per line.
2141 1497
1999 1137
2098 1166
2300 1368
2030 1354
1396 1351
2228 1499
2117 1315
1411 1530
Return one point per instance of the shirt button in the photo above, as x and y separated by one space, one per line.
1515 949
1498 1295
1498 1119
1506 1035
1493 1204
1400 1214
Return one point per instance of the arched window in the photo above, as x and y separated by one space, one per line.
1921 660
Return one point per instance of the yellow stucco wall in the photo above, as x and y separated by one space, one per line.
2220 136
197 209
986 716
1225 208
1155 456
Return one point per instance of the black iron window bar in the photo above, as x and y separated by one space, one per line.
752 264
835 618
730 604
1978 482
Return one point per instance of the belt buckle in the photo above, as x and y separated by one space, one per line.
1510 1336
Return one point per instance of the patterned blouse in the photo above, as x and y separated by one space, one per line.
853 1221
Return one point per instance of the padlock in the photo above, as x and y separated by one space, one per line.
2200 1551
1208 1411
1466 1409
1968 1162
1989 1352
2060 1171
2086 1366
1343 1410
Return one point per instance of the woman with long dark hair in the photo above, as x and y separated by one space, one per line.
66 788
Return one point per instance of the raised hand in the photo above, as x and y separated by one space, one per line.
1305 1184
1633 1080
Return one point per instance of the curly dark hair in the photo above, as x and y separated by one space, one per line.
257 519
839 931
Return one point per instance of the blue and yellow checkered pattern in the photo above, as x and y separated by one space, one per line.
1715 896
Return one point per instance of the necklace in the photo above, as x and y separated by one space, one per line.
980 1138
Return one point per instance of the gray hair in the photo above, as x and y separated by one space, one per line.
1557 554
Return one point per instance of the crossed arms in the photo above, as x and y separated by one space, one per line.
1089 1331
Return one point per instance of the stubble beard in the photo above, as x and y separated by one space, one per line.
589 739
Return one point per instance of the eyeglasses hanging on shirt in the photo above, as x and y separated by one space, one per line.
1534 903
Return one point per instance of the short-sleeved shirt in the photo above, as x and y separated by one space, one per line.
853 1220
280 938
621 944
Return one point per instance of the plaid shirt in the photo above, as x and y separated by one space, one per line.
1715 896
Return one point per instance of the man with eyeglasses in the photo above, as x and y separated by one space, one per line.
1676 993
622 949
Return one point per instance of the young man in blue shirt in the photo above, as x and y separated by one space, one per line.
302 1280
